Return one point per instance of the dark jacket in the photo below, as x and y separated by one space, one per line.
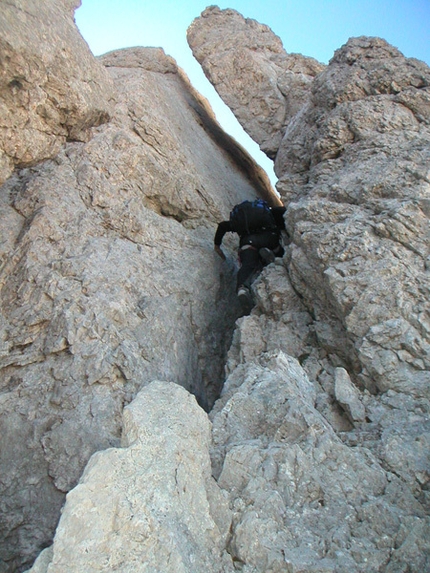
225 227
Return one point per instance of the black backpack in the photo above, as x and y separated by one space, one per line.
252 217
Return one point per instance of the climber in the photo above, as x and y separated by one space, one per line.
259 228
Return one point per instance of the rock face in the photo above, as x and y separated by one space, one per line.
313 486
352 306
321 435
268 84
109 281
51 89
365 195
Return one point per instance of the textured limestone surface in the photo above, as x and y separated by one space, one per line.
322 475
349 301
109 280
248 66
358 214
151 505
51 87
320 438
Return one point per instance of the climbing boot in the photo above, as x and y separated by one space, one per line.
245 297
266 255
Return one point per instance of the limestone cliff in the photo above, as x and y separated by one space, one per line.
114 308
109 279
351 304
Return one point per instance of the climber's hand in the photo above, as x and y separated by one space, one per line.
219 251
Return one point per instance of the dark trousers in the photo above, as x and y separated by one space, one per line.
250 262
250 266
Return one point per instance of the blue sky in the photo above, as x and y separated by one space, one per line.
313 28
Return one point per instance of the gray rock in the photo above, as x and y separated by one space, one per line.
269 85
52 89
43 561
348 396
359 225
320 438
109 280
351 306
302 499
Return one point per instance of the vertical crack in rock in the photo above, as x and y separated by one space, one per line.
108 278
112 296
344 433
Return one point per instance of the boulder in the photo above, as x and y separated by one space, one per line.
151 504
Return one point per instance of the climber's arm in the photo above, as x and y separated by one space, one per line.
223 228
278 214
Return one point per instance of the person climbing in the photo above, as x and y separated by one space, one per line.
259 228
